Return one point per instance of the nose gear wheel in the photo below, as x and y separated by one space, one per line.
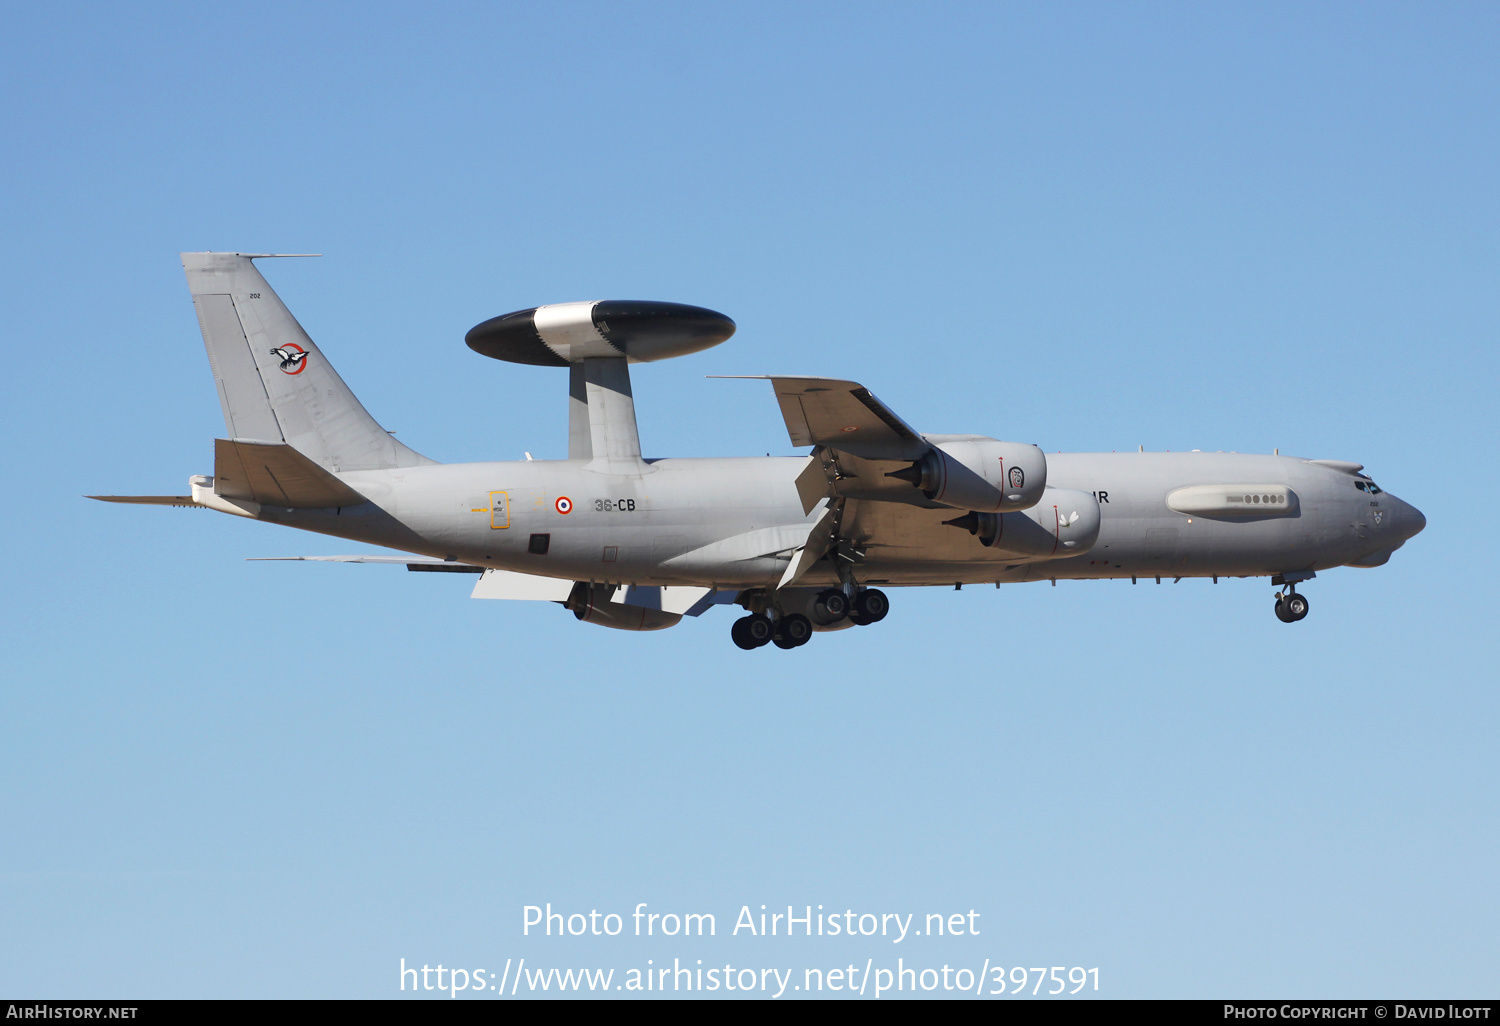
1291 606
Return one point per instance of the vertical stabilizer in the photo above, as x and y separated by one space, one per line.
273 383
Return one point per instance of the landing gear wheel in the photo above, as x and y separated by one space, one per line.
831 606
792 631
751 631
870 606
1296 607
1291 607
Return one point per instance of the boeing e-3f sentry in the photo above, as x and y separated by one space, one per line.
800 543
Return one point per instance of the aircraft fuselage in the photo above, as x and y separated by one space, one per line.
634 523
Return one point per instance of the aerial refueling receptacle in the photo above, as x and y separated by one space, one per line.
565 333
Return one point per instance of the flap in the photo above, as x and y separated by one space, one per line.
823 536
761 542
813 484
684 601
275 474
507 584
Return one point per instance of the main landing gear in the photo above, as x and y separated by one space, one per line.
870 606
788 629
1290 605
752 631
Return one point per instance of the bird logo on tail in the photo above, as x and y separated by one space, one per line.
292 356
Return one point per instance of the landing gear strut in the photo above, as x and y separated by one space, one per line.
1290 605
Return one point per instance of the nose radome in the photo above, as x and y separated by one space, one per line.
1412 520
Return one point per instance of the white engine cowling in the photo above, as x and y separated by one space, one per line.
979 473
591 604
1065 523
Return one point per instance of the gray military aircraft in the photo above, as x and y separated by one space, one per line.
798 542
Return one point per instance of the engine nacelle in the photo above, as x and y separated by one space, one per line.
591 604
979 473
1065 523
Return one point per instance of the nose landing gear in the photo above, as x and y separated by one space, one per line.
1290 606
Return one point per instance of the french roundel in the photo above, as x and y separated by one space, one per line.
564 505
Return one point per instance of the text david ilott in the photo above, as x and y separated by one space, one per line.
810 923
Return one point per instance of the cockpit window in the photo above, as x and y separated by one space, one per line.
1368 486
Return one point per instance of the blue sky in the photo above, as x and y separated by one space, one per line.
1238 227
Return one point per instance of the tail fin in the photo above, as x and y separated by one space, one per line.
274 384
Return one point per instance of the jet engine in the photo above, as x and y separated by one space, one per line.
1064 523
978 473
592 603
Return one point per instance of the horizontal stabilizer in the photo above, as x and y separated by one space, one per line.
149 500
275 474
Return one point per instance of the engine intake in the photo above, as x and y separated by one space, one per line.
978 473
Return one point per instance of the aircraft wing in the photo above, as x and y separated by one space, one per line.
843 415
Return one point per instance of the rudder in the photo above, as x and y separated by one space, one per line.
274 384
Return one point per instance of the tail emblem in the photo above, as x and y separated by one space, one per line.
292 356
